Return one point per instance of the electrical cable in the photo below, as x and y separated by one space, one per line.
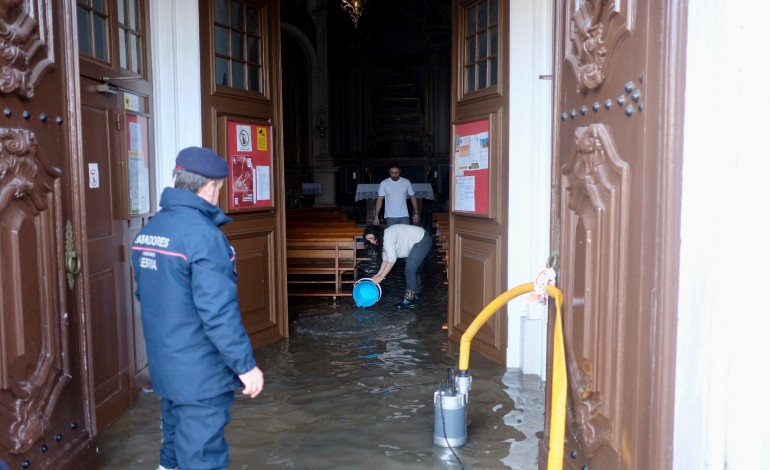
450 379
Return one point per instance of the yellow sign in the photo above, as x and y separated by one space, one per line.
262 139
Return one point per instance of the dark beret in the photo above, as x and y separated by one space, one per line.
202 161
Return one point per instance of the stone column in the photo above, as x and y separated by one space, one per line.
322 163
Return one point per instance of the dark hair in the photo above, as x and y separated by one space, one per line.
378 233
189 181
394 165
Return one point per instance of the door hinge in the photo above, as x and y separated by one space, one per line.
119 121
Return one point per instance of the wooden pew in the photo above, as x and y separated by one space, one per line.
324 266
321 253
441 226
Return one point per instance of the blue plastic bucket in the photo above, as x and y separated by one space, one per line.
366 292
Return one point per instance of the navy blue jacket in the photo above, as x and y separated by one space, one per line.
186 284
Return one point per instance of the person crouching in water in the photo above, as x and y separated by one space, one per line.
401 241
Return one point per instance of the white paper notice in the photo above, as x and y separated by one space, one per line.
484 150
263 183
93 175
462 154
138 185
243 135
135 134
464 193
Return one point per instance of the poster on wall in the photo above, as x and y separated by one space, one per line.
471 164
249 154
138 165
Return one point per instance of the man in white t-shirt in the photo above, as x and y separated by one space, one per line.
395 191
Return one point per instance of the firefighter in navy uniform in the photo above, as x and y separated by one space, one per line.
198 350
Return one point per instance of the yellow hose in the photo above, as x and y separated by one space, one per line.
558 377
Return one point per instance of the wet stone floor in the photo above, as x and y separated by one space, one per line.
352 388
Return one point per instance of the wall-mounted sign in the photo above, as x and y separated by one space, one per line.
471 164
93 175
130 102
249 154
138 164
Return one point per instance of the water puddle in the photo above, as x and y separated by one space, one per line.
352 388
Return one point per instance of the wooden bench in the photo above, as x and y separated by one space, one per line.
321 254
323 266
441 226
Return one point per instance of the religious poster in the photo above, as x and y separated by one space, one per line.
249 155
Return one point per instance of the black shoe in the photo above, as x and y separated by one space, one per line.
406 303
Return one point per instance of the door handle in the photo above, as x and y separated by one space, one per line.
73 263
71 258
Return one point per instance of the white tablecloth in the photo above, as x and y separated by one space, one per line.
366 191
369 191
312 188
423 190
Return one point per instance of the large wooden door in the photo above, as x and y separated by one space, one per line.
46 408
111 329
249 93
617 169
114 58
479 233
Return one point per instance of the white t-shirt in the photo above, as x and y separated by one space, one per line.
399 239
395 194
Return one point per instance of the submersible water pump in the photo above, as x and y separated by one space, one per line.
449 407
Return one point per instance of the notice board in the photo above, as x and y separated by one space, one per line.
249 153
137 148
471 167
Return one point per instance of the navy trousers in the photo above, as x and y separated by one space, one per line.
194 433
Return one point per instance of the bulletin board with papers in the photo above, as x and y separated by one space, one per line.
471 168
250 157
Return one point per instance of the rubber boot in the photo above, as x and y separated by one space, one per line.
409 300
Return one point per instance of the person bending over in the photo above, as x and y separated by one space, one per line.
401 241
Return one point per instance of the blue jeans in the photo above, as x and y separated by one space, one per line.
194 433
413 262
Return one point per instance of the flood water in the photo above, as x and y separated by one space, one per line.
352 388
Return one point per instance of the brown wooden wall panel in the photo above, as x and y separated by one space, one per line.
254 242
478 272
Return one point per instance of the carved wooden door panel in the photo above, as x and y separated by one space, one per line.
46 417
615 220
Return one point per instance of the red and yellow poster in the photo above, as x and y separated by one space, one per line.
249 153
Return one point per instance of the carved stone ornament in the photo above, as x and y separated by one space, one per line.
25 49
596 29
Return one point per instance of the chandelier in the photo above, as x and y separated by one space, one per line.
355 9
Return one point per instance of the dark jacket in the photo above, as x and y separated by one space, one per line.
186 283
